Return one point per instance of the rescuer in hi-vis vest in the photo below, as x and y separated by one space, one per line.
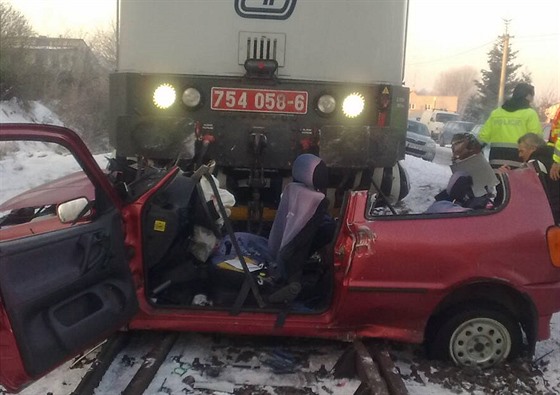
507 124
555 170
555 141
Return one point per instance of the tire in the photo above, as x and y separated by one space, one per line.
477 337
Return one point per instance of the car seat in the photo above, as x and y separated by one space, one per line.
280 258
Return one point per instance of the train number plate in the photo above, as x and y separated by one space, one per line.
259 100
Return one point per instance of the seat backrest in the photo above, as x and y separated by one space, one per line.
299 202
483 176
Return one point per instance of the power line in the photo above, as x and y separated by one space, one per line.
541 35
453 55
530 37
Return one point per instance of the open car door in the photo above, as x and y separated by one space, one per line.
64 280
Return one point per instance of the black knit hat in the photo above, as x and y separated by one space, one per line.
518 99
522 90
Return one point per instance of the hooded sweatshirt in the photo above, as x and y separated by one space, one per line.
507 124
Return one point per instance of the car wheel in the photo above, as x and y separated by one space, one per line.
477 338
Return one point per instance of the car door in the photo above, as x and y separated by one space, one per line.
64 284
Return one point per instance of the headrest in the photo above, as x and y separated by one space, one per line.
310 170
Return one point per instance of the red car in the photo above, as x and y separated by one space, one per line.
477 287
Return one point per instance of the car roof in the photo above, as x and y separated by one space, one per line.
461 122
65 188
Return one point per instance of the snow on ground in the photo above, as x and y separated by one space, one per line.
427 179
12 111
547 357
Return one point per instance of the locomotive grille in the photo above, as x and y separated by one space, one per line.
262 46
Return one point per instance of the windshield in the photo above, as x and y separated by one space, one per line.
442 117
460 127
418 128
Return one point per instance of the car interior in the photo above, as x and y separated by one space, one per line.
249 270
285 267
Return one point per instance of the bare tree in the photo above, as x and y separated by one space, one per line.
103 43
14 27
458 82
547 99
13 23
85 105
78 91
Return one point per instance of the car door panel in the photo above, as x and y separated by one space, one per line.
66 289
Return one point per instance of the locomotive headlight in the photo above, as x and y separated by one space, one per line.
191 97
326 104
353 105
164 96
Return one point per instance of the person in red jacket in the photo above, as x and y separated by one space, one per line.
555 141
555 128
555 169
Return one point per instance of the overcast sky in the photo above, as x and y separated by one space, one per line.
442 34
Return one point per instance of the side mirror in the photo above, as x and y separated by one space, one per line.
73 210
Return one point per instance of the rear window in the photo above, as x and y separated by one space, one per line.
441 117
459 127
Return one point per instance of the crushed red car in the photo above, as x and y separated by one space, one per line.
477 287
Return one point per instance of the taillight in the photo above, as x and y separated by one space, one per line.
553 239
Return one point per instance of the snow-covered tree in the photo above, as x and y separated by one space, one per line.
486 98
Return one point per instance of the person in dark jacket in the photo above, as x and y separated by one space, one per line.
507 124
534 151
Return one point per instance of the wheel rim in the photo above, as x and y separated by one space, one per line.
481 342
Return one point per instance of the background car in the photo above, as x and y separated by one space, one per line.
418 141
476 129
452 128
436 119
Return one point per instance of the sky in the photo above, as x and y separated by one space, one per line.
442 34
426 180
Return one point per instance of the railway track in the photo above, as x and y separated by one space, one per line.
153 363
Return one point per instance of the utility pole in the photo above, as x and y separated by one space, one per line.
505 54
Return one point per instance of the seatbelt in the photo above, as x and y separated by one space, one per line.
383 196
249 283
